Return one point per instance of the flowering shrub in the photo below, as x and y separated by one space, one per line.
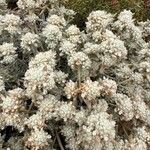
75 89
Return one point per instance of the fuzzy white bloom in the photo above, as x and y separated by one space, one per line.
39 79
136 144
101 106
145 66
29 41
70 89
145 27
11 105
56 20
60 77
31 18
40 75
125 24
108 87
11 23
97 36
91 48
35 122
40 3
67 12
108 60
2 84
113 45
91 90
73 30
43 59
142 111
124 19
69 131
114 145
98 20
137 77
17 93
38 140
143 134
99 127
47 107
66 111
73 34
80 117
12 102
53 35
144 52
13 119
123 71
29 4
124 106
79 59
68 48
108 34
7 53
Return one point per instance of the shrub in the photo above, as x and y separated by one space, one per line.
88 89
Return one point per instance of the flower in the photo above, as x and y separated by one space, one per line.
79 59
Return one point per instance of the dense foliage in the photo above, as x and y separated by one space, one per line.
66 88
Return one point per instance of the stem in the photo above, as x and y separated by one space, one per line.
30 106
79 76
59 141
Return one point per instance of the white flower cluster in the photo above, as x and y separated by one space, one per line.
73 34
125 24
107 46
98 20
71 89
26 4
113 45
10 23
108 87
52 30
40 76
11 105
91 48
124 106
143 134
60 77
130 108
31 18
90 91
135 143
145 26
56 20
7 53
91 134
47 107
29 40
38 140
35 122
31 4
142 110
79 59
123 71
67 47
53 35
103 129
